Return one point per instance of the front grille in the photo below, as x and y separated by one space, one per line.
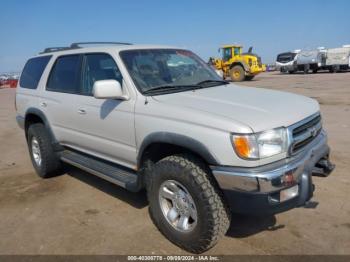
305 132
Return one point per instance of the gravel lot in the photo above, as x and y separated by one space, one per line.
78 213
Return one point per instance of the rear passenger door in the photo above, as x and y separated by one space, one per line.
102 127
61 95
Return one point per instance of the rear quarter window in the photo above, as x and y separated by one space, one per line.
33 71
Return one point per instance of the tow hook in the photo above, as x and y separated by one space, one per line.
323 167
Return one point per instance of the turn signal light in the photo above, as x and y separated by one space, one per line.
242 146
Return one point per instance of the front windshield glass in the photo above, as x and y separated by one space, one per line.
157 68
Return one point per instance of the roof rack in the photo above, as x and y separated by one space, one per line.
79 45
54 49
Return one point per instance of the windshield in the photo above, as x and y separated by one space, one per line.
285 57
158 68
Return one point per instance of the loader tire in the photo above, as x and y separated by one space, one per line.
237 73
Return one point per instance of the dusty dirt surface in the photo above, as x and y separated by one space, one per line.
78 213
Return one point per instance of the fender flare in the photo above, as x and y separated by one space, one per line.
37 112
241 63
177 140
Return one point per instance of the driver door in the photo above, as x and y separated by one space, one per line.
106 126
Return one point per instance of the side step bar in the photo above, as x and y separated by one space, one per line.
113 173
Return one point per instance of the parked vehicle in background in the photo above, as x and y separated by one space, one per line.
338 59
237 65
271 67
287 62
9 80
160 118
312 60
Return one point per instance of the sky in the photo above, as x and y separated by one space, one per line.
270 26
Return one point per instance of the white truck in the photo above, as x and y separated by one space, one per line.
159 118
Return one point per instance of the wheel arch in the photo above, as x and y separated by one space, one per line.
240 63
163 144
35 115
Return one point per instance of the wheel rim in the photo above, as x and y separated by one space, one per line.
36 151
177 206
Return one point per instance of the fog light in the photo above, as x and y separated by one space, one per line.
289 193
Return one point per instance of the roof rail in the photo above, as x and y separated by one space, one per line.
78 45
54 49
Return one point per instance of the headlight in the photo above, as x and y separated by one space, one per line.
261 145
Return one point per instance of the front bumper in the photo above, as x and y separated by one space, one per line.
257 190
285 67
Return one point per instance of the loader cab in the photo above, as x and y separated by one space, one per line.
230 51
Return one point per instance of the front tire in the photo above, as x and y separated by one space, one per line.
186 204
237 73
45 161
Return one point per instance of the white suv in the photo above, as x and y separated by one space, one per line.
160 118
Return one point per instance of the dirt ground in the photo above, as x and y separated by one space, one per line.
78 213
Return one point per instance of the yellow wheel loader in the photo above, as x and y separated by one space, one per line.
237 65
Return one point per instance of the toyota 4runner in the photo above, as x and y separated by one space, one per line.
160 118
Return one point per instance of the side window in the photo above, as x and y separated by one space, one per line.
65 75
99 67
32 72
227 54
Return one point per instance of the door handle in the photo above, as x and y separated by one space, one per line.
81 111
43 104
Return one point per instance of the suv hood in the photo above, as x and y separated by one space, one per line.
260 109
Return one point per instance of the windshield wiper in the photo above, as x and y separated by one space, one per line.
212 81
169 88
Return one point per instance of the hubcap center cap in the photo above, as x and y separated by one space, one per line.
181 203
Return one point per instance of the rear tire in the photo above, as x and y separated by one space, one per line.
237 73
45 161
191 175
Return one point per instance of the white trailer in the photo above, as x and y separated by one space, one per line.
338 59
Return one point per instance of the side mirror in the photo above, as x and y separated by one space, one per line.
108 89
